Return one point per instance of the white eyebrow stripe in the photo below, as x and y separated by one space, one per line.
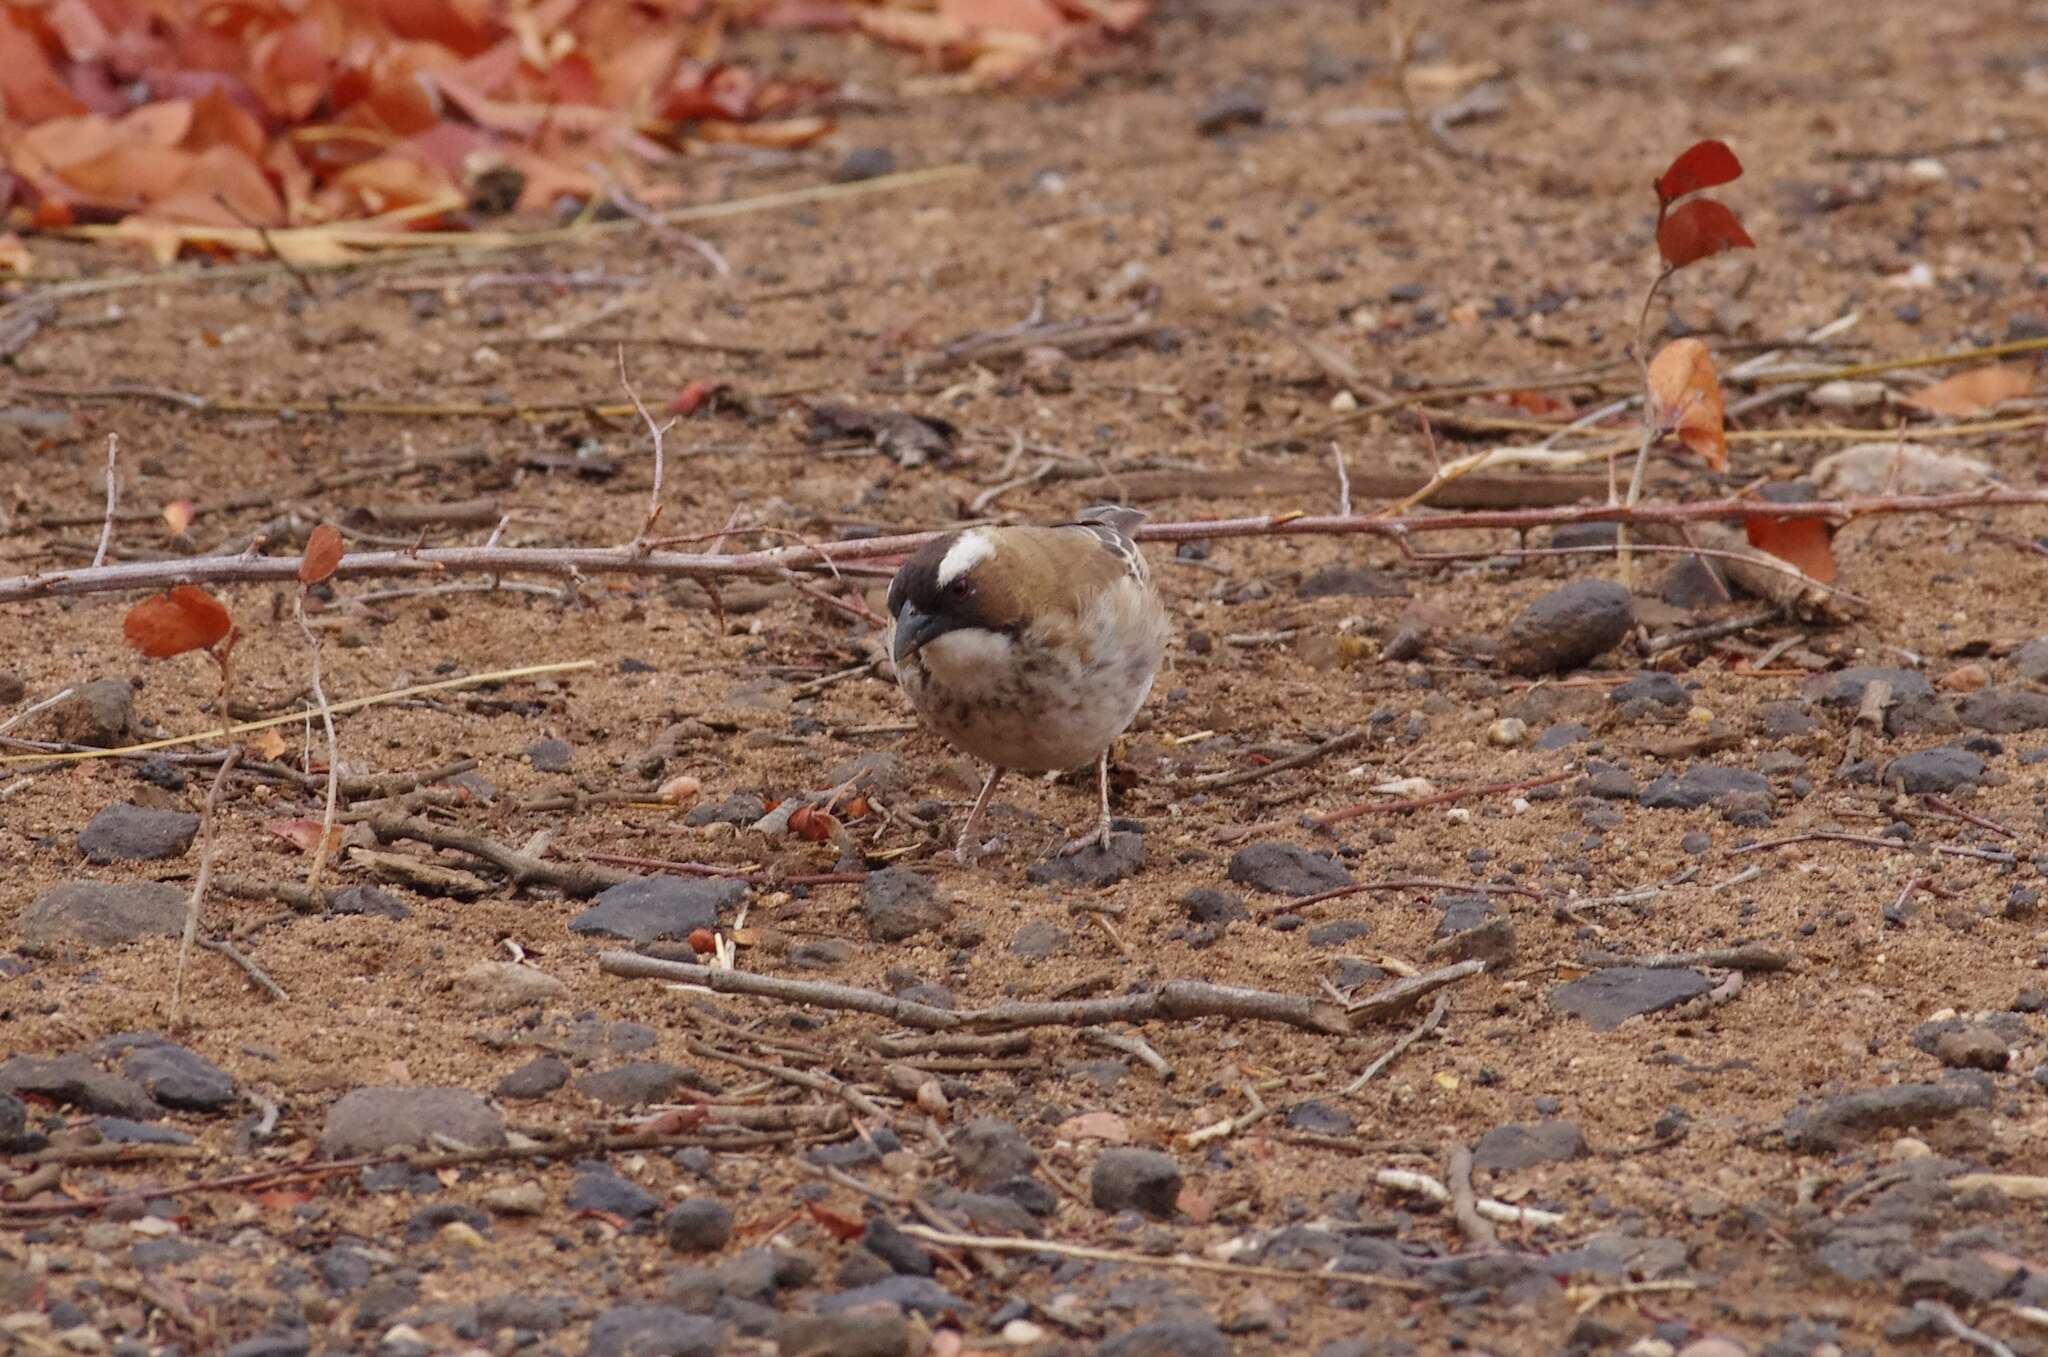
974 547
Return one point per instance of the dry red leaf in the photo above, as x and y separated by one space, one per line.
1699 230
1702 165
702 941
1973 392
186 618
303 834
323 554
694 396
837 1225
1808 543
1538 402
283 1198
1685 398
808 822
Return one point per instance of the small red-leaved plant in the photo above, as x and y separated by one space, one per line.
1703 227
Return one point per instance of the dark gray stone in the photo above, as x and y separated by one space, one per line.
635 1083
103 913
918 1294
1172 1336
1338 932
601 1189
872 1333
1659 690
649 908
521 1310
1521 1145
1567 627
1845 687
821 954
14 1133
1927 715
1320 1117
2030 661
699 1225
429 1221
367 900
125 833
1559 736
2004 711
375 1120
1841 1121
1126 1179
1935 770
283 1343
1787 721
988 1150
1230 109
1214 907
741 808
180 1078
1693 583
1607 998
1707 784
121 1131
100 713
537 1078
897 903
886 1240
864 162
75 1081
1286 869
1036 940
155 1254
655 1331
551 756
1099 864
1350 581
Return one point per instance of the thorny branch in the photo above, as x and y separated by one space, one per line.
573 562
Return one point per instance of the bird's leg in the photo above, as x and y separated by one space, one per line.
1100 834
968 849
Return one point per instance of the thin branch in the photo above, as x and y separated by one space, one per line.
199 883
320 849
1401 1043
1350 739
99 557
1171 1263
1753 957
654 431
1464 1205
1951 1323
1440 799
255 972
574 562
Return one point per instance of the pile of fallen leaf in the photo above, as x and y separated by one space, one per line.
194 123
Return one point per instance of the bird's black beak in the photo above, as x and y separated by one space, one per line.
914 627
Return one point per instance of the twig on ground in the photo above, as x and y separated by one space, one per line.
1422 1185
207 820
1136 1047
1711 631
255 972
1174 1001
1401 1043
654 432
26 712
1171 1263
575 878
332 807
1822 836
1952 1324
571 562
1464 1206
1591 1298
817 1083
1343 482
1350 739
99 557
1753 957
1399 884
1947 807
1440 799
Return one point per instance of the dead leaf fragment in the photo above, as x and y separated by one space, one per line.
1685 397
186 618
1973 392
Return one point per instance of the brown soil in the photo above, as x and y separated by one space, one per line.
1524 259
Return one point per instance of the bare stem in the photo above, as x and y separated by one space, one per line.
199 883
333 748
99 558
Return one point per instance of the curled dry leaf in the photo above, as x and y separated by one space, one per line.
837 1225
304 834
1808 543
1699 230
186 618
323 554
178 515
1685 399
267 744
680 790
1975 391
1704 164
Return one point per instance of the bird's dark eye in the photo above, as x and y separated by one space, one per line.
957 589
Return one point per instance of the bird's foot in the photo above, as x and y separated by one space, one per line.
1097 837
969 850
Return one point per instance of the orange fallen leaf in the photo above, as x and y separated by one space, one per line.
266 744
186 618
1699 230
1972 392
303 834
1807 543
323 554
837 1225
178 514
1685 399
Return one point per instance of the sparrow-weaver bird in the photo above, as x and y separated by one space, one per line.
1030 648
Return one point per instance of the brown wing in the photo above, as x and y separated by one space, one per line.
1062 571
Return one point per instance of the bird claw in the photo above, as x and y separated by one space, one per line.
1095 838
968 852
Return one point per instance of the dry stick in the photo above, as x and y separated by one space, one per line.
255 972
1350 739
571 562
353 704
1712 631
1754 957
1398 884
1823 836
1952 1324
655 432
1175 1001
818 1083
1464 1206
1401 1043
1176 1262
576 878
99 557
199 883
1137 1048
1336 817
327 817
